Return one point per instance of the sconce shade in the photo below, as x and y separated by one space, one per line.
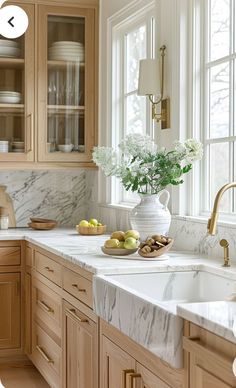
149 77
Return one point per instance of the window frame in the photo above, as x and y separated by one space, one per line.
132 17
207 64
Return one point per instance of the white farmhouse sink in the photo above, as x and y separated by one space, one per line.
178 287
143 305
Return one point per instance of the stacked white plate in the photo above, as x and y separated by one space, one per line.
66 51
4 146
9 49
7 97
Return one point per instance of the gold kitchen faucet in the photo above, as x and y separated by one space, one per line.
212 222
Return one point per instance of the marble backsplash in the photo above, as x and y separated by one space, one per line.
192 235
57 194
71 195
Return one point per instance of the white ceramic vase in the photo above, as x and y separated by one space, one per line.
150 216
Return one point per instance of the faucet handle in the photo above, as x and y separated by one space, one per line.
224 243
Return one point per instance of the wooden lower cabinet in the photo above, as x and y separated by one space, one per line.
115 365
80 349
119 369
148 379
210 359
10 302
47 356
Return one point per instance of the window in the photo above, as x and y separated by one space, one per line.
132 39
219 85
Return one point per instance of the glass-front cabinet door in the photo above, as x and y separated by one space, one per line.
17 95
66 84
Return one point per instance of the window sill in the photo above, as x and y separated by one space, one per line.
127 207
204 220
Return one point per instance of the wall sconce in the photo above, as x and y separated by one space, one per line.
150 85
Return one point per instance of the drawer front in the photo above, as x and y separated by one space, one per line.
47 306
10 256
48 267
47 356
78 286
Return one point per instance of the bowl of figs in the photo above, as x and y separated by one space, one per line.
155 246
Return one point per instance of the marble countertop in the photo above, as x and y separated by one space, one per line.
85 252
217 317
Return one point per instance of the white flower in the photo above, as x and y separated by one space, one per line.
141 166
106 158
194 150
137 145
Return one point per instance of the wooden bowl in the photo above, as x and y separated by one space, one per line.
158 252
42 225
118 251
43 220
91 231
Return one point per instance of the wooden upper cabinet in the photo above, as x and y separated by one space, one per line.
66 84
17 107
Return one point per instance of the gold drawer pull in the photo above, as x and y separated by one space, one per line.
45 306
124 376
44 355
132 379
73 313
49 269
78 289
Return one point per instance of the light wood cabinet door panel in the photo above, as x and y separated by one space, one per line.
10 255
204 379
10 305
115 362
17 74
46 355
81 349
66 108
148 379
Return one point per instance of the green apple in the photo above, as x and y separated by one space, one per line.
99 224
130 243
93 221
121 245
112 243
91 225
83 223
132 233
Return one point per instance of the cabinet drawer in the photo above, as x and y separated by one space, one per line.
47 356
78 286
47 306
10 256
48 267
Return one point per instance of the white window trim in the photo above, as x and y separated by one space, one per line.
187 113
137 8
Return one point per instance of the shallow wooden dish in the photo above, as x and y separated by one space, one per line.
157 253
43 220
118 252
90 231
42 225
